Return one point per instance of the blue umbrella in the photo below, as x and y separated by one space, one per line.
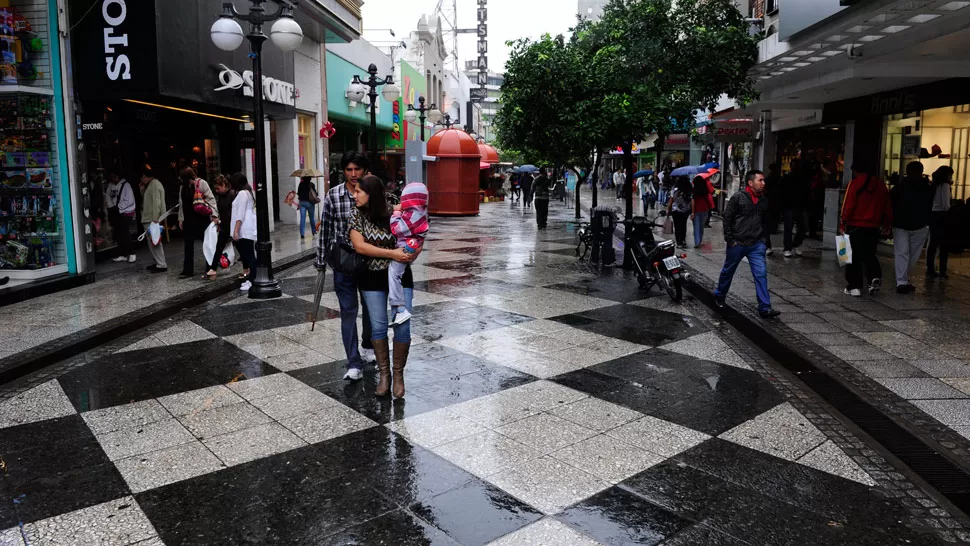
689 170
528 169
711 165
641 174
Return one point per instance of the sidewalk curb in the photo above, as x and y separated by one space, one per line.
16 366
932 463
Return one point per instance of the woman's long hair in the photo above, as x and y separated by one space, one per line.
376 210
700 187
683 186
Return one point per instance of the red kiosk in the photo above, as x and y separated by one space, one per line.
453 178
487 183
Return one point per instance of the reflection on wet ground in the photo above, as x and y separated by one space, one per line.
547 404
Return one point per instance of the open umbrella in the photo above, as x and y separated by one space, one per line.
482 165
315 311
303 173
689 170
641 174
528 169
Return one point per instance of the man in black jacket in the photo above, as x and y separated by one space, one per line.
744 232
912 201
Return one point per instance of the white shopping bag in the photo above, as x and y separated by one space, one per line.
209 242
154 233
843 249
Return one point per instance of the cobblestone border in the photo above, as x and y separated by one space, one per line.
927 513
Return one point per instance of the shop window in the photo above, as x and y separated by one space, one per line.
305 131
32 223
962 109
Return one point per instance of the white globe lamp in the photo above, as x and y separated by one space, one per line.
226 34
286 33
411 115
391 92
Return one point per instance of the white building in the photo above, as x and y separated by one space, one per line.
591 9
426 53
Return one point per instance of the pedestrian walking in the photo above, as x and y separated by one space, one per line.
152 210
648 193
225 196
516 187
939 238
119 200
307 194
619 183
338 206
702 204
912 201
866 214
679 207
197 208
744 221
527 182
370 233
243 227
542 190
795 196
663 187
409 223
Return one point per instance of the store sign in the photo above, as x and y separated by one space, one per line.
740 130
806 118
92 126
911 99
117 66
274 90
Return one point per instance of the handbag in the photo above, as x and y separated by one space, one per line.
669 226
198 202
342 258
314 198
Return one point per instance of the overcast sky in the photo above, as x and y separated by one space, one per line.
507 20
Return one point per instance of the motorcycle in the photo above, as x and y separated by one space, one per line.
656 263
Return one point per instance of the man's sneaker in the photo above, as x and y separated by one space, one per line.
354 374
719 302
874 286
245 286
788 254
120 259
944 276
769 314
132 259
855 292
769 252
368 355
401 317
798 252
905 289
931 275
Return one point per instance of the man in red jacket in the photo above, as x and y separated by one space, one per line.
867 213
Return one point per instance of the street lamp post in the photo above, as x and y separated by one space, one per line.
414 114
359 89
445 121
227 35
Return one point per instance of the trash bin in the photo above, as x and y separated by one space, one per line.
604 225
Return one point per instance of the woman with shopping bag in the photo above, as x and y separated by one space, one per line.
867 214
197 209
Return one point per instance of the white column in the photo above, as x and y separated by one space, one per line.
267 145
288 159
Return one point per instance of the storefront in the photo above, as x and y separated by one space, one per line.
36 204
155 93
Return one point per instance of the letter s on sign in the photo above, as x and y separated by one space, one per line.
119 66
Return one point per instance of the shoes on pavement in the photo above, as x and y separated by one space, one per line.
943 275
931 274
788 254
401 317
905 289
245 286
132 259
119 259
797 251
874 286
769 314
155 269
855 292
769 252
4 280
368 355
719 302
354 374
184 275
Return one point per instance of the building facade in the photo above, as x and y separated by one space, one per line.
591 9
490 106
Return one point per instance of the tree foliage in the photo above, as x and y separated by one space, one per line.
646 66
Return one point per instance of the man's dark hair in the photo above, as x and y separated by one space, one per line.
147 172
751 175
914 169
355 157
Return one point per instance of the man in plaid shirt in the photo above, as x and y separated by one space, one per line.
337 206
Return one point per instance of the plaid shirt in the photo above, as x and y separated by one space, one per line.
337 207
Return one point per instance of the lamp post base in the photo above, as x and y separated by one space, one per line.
265 286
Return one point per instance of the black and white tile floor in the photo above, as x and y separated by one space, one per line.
547 405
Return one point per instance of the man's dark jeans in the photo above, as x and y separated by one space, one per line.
937 243
864 242
542 212
349 297
794 221
759 271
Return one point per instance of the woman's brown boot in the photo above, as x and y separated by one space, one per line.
383 367
400 361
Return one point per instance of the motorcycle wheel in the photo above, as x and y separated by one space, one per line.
673 287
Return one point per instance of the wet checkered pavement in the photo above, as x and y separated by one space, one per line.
548 404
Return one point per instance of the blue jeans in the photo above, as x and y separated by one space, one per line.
345 286
759 270
700 219
376 304
308 209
